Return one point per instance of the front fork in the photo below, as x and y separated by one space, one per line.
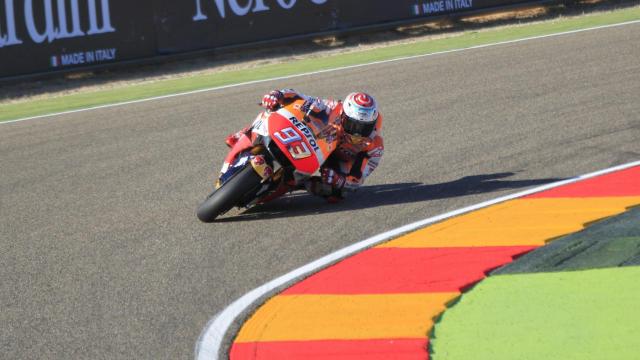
255 156
261 167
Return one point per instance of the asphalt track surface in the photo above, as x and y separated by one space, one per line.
102 255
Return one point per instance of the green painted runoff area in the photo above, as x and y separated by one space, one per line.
468 39
581 315
542 307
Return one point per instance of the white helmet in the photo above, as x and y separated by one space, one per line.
359 114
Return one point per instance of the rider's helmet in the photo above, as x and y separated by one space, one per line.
359 114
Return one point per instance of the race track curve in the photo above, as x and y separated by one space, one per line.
102 255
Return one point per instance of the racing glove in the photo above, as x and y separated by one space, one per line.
314 105
271 101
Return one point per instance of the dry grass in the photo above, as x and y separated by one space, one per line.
521 14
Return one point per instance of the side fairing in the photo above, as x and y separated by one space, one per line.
296 141
260 125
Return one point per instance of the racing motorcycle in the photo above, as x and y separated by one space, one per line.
285 148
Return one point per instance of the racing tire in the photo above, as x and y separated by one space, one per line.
229 194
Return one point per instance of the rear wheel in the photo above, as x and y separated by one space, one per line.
229 194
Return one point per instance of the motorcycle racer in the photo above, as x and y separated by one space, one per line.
360 144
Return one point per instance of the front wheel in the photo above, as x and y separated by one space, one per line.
229 194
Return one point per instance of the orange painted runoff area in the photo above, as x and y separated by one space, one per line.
516 222
324 317
382 302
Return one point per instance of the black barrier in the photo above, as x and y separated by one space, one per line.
203 24
48 35
216 23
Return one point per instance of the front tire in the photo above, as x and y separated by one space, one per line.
229 194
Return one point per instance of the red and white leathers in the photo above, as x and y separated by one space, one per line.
355 157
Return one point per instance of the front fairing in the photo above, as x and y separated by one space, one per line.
229 169
304 144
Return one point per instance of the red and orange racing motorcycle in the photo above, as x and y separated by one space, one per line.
285 148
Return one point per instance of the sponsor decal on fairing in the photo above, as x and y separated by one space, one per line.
308 134
261 167
261 124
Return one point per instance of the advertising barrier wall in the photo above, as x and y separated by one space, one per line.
201 24
39 36
49 35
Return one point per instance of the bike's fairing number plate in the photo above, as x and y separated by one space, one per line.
296 141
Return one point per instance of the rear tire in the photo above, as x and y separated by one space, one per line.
229 194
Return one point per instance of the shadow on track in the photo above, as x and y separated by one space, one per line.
303 204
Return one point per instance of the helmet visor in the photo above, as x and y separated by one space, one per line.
357 128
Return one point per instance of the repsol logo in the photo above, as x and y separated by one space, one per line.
307 133
50 20
247 6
